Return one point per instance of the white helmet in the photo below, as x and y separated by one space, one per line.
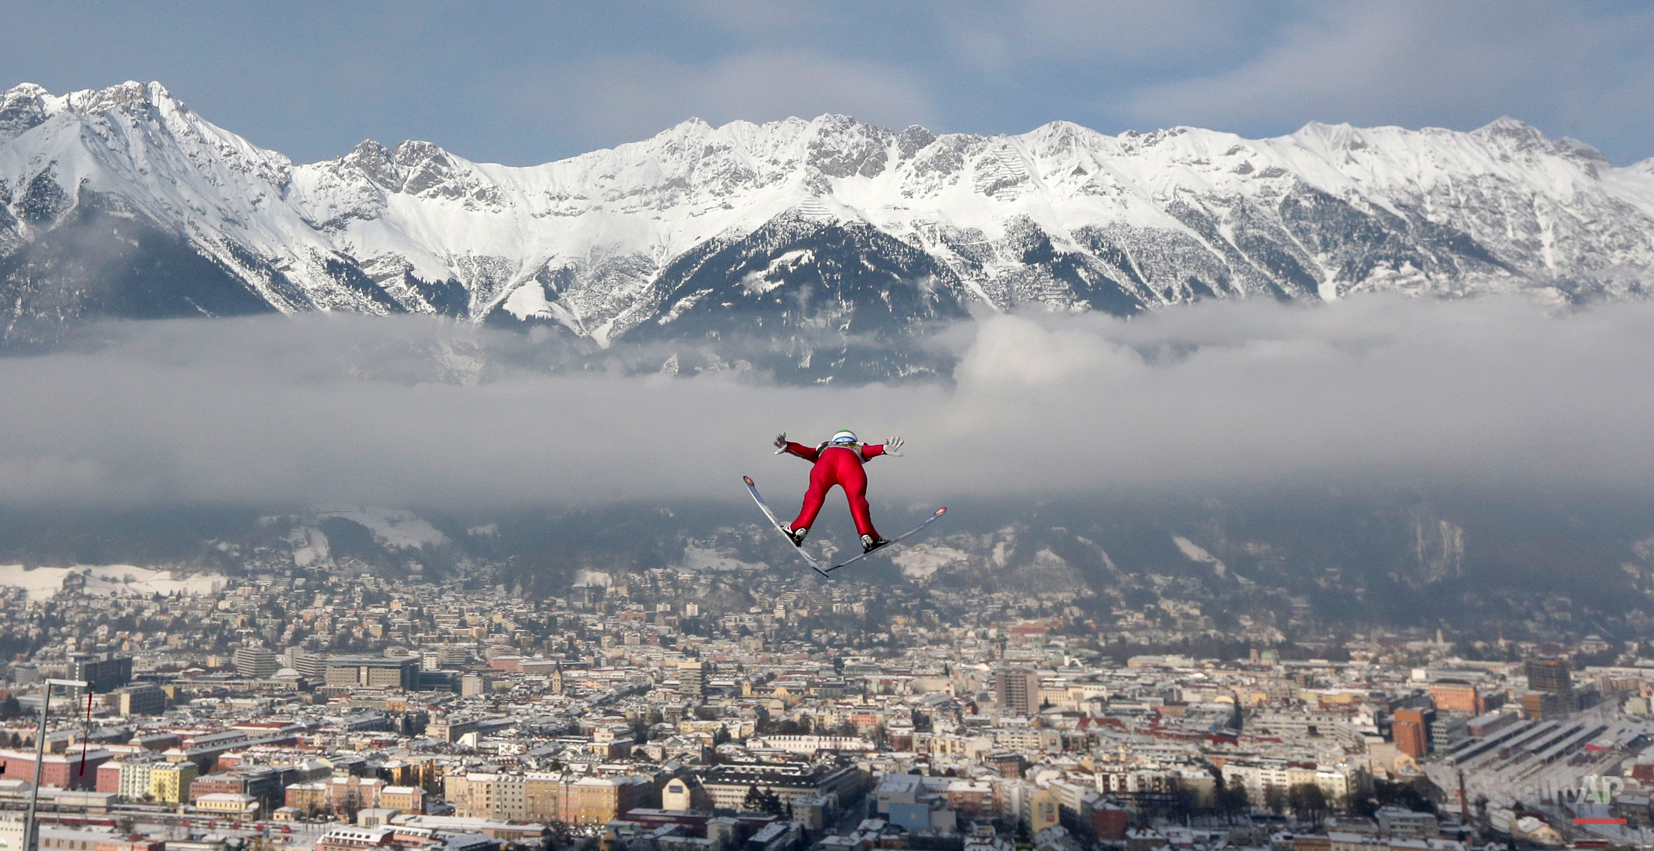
843 437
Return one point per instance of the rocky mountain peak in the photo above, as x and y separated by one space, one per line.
423 166
1509 127
1519 136
912 140
376 162
840 147
131 97
22 108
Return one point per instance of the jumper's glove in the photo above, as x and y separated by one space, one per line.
893 446
781 443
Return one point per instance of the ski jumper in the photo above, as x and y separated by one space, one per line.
837 465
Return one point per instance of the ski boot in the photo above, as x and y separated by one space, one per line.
797 536
870 543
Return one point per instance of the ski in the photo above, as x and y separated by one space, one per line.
759 498
893 541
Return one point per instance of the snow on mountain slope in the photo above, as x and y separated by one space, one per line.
124 202
137 153
393 527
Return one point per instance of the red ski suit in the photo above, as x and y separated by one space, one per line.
837 465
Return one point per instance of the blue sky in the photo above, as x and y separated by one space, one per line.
527 83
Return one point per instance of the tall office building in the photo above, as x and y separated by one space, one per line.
256 662
105 671
390 672
1411 732
692 681
1549 675
1552 680
146 699
308 663
1017 691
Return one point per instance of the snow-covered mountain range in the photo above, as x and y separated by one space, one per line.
123 202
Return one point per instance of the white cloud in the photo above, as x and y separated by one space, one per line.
617 99
1456 65
344 411
763 17
1007 38
1122 31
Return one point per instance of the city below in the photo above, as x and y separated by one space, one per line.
292 709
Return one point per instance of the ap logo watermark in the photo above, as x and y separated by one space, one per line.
1592 789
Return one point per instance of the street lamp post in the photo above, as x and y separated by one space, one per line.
31 837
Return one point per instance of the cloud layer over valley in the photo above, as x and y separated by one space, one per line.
335 409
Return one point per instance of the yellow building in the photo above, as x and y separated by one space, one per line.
1040 810
309 798
592 800
228 803
542 797
545 797
169 783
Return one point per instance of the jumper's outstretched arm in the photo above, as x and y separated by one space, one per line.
783 446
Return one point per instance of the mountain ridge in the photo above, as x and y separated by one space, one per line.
124 202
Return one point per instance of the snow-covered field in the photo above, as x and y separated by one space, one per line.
1195 553
586 578
309 546
392 526
709 558
107 580
921 561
